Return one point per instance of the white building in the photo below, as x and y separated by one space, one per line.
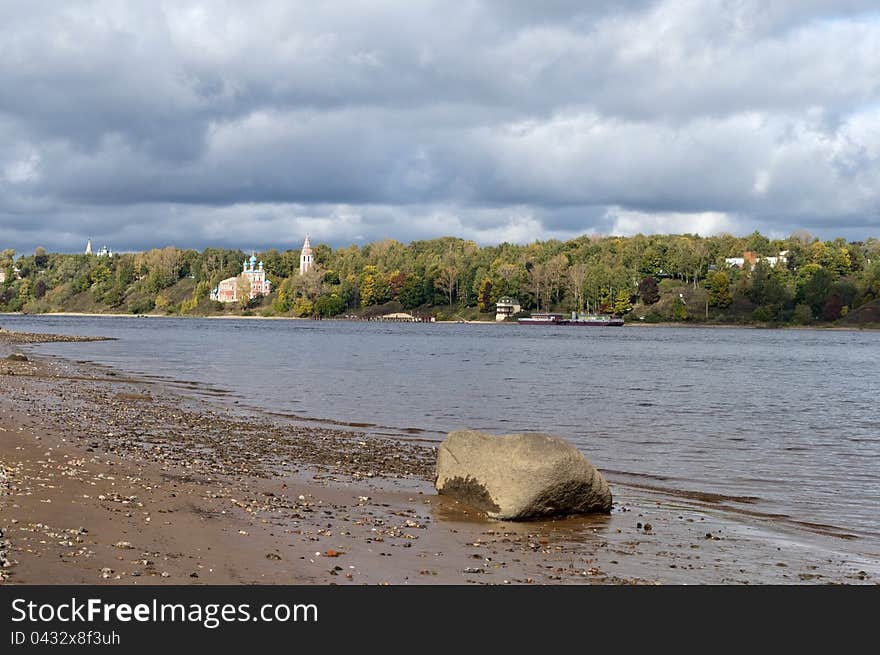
753 258
16 273
306 258
103 252
505 307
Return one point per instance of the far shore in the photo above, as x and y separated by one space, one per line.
661 324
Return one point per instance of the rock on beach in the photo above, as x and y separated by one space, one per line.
519 476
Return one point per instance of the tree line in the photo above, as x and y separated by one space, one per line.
643 277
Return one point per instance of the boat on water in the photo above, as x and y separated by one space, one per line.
542 319
593 320
585 320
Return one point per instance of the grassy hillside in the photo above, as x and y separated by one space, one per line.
868 315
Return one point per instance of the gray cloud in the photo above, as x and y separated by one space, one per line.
223 124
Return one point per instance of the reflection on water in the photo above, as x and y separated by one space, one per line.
784 423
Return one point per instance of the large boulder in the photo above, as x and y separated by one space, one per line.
519 476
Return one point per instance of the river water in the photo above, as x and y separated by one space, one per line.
783 422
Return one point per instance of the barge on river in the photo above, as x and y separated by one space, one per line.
586 320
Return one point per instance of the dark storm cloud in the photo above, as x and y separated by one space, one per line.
193 123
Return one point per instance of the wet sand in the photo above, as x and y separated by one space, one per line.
109 479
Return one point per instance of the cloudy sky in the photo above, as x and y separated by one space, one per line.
149 123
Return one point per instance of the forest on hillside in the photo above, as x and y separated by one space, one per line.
643 278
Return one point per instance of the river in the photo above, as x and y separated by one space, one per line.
784 423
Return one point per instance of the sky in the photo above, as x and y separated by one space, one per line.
147 123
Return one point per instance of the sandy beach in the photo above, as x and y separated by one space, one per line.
110 479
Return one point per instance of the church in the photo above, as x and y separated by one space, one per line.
306 257
227 290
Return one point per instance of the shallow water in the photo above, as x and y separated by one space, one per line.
780 423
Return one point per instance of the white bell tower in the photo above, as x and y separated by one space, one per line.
306 258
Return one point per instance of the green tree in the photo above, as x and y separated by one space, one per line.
303 307
511 277
447 276
719 290
651 263
757 242
282 305
870 283
484 295
841 262
766 287
7 259
243 291
679 309
113 297
555 271
622 304
539 284
162 302
24 291
819 254
575 279
413 292
329 305
815 285
322 253
274 264
40 257
802 315
375 289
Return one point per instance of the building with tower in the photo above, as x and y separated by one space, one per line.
306 258
103 252
252 271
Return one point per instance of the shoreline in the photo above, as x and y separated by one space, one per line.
118 480
662 324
